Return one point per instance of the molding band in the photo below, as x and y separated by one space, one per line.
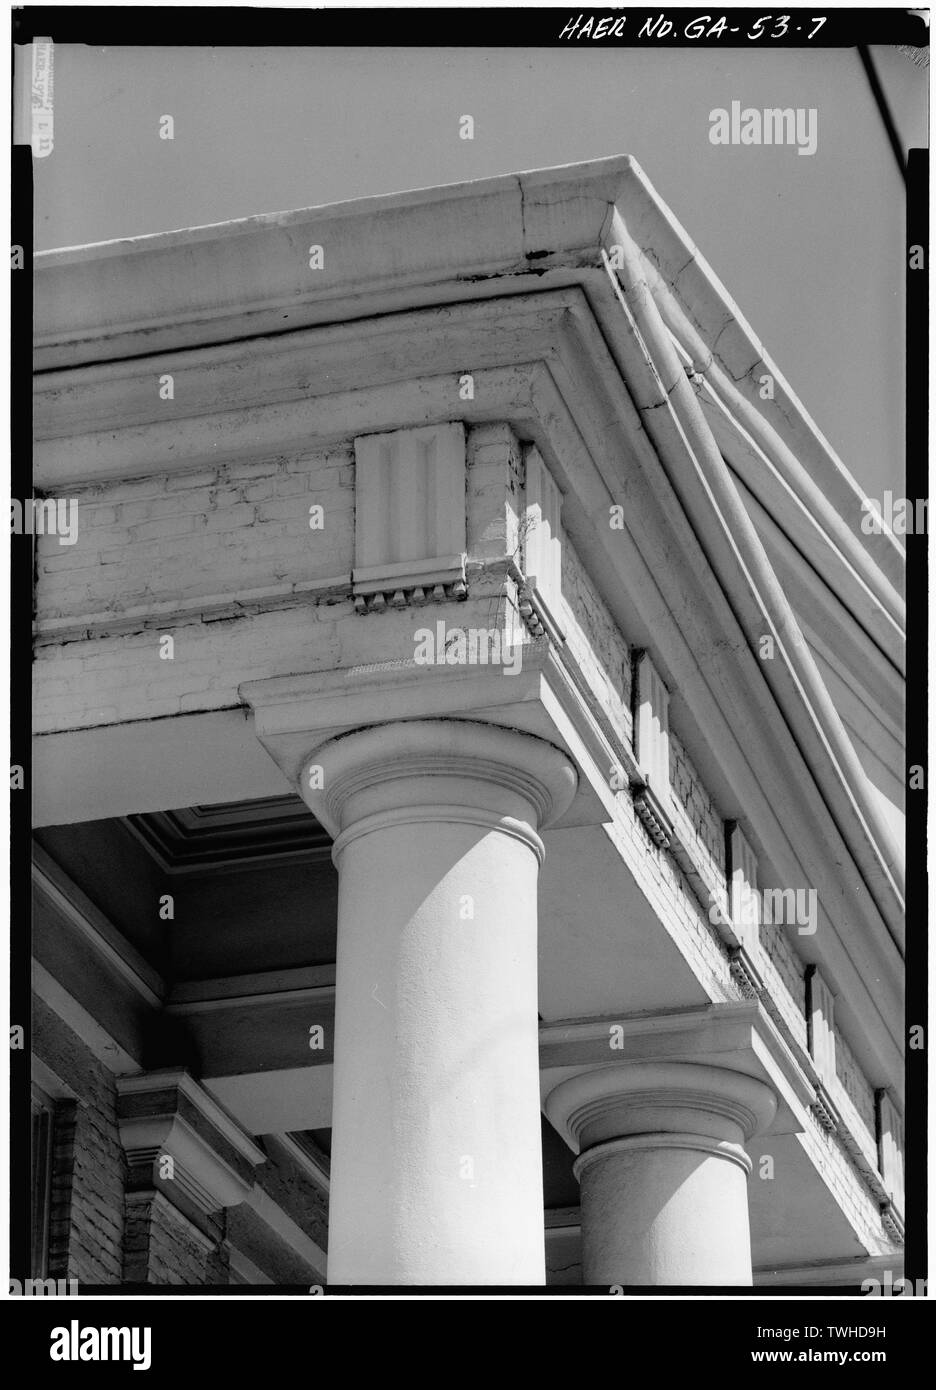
714 1148
707 1102
434 815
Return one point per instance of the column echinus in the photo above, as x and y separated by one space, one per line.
663 1171
436 1160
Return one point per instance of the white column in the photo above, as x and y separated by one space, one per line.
663 1170
436 1155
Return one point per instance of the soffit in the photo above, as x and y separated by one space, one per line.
199 839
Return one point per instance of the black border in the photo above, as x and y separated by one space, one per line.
917 486
453 28
21 619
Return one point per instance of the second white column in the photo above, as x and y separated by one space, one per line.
663 1170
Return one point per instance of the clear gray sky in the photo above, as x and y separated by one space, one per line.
811 247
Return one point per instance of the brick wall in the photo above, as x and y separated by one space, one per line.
102 1234
162 1247
293 1192
203 556
494 483
854 1082
99 1235
238 529
113 679
88 1161
696 820
784 976
595 641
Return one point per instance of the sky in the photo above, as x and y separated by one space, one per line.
811 247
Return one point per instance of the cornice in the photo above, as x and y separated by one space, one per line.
252 277
774 442
206 286
675 422
724 349
307 367
795 521
865 639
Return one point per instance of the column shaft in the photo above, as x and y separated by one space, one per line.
660 1212
436 1154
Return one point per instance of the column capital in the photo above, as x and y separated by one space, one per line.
435 770
663 1169
660 1104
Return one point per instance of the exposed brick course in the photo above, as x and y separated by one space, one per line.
88 1162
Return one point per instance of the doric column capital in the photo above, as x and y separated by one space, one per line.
660 1104
663 1169
433 771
